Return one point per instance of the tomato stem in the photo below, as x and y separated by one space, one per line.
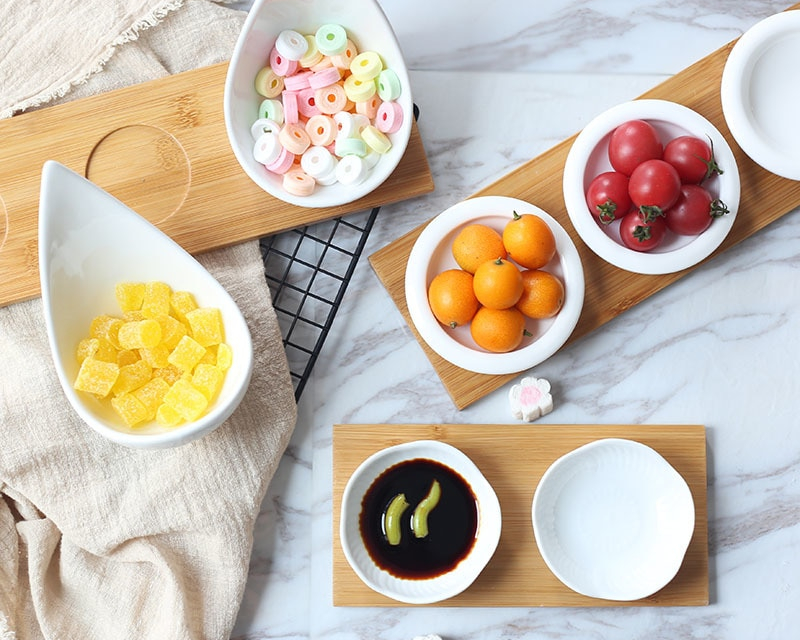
712 168
650 213
641 232
607 212
718 208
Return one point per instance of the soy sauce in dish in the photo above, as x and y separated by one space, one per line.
452 524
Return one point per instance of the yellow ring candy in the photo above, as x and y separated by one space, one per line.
312 55
375 139
359 90
366 65
268 83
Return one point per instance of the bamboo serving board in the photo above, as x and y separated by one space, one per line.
765 197
161 148
517 576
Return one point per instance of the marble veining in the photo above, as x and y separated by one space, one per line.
498 83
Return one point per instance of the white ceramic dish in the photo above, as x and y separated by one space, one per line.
613 519
431 254
441 587
760 90
588 157
88 242
369 29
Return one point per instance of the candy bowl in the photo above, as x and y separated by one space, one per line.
588 158
89 243
419 522
286 98
432 254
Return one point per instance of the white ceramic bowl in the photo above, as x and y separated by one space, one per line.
431 254
88 242
369 29
760 90
613 519
588 157
419 590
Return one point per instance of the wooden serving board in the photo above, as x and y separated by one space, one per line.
765 197
160 147
517 576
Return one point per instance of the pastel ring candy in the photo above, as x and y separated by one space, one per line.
264 125
291 107
331 99
299 80
312 55
268 83
294 138
291 45
321 130
280 65
376 140
372 158
298 182
345 58
358 89
351 170
267 148
317 162
330 177
271 109
283 163
324 77
389 117
345 124
331 39
389 87
367 65
369 107
307 103
350 147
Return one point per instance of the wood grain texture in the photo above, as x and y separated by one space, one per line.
517 576
162 149
765 197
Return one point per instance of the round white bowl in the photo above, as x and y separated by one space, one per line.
613 519
419 591
431 254
369 29
588 157
89 242
760 90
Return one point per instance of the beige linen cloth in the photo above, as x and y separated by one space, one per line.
98 541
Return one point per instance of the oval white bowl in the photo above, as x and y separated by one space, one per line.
431 254
613 519
760 90
369 29
588 157
423 591
89 242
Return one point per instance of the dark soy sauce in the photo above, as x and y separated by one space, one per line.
452 524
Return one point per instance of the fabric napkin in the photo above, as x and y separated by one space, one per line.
99 541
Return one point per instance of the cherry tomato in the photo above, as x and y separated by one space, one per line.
693 158
632 143
607 196
654 183
694 211
641 235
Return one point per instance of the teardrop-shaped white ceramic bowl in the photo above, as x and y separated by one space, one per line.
88 242
369 29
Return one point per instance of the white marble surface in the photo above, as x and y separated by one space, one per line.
498 83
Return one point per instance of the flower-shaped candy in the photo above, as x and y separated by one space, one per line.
530 399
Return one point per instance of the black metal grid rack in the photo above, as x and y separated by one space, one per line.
308 270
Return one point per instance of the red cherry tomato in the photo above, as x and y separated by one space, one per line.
607 196
694 211
640 235
692 157
632 143
654 183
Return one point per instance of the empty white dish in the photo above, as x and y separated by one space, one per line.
760 91
613 519
88 243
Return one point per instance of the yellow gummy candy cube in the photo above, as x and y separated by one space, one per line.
151 395
208 379
96 376
206 325
156 299
224 356
106 327
129 408
170 373
140 334
166 416
132 376
156 357
182 302
186 354
185 399
172 330
127 356
129 295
